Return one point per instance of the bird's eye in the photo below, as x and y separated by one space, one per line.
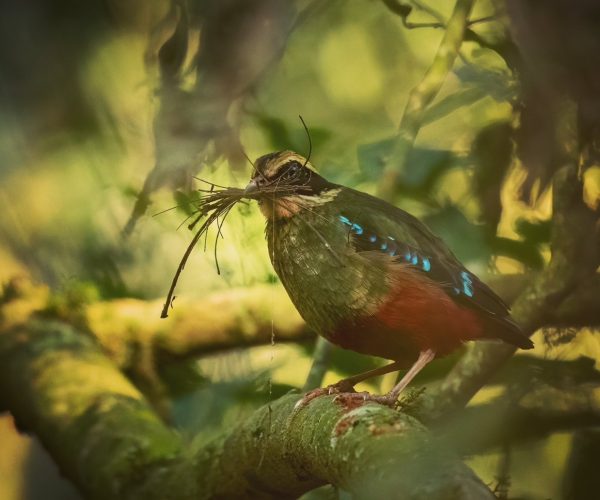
291 172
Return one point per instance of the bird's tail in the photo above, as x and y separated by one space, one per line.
510 332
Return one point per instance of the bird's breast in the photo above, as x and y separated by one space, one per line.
326 279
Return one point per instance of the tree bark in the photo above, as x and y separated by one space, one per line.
104 436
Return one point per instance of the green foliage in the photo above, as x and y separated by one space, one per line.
498 84
280 135
466 239
210 406
424 170
69 301
453 102
521 251
182 378
350 363
492 154
185 201
534 232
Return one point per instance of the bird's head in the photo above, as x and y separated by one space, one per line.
285 182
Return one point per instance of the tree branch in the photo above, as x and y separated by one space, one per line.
575 244
105 438
581 477
539 413
320 364
235 318
422 95
231 319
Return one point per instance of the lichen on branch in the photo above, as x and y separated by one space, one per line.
107 440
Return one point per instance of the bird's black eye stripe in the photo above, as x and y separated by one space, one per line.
292 171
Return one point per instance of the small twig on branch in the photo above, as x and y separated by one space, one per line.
421 96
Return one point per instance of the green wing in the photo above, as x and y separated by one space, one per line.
377 225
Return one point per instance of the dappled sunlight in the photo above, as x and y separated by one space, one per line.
117 121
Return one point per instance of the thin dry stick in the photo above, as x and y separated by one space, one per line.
215 206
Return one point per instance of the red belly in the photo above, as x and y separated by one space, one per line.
417 314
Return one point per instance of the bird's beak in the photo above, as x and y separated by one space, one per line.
251 188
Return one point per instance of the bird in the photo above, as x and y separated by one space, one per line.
368 276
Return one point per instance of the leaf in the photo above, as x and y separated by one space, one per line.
499 85
350 363
281 136
398 8
318 136
129 192
276 130
460 99
522 251
467 240
424 166
185 201
534 231
182 378
537 143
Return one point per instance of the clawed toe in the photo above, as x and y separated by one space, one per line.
339 388
347 397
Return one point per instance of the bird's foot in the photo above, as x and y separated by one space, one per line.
390 399
341 387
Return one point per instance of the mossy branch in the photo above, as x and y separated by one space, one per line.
103 435
238 317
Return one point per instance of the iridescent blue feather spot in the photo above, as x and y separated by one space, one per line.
345 220
467 284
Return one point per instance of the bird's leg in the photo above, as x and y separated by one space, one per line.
391 397
347 384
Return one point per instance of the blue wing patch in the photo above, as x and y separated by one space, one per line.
459 282
387 244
